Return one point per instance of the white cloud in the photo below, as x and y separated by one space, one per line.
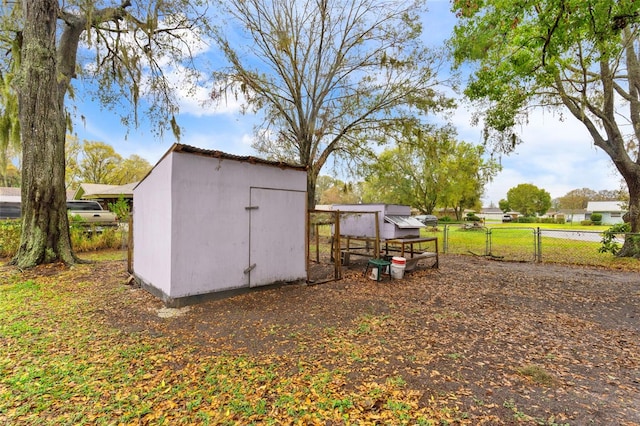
557 155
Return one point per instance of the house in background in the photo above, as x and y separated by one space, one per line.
572 215
612 211
207 222
11 202
10 207
491 214
10 194
105 194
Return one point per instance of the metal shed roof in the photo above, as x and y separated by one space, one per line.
404 221
188 149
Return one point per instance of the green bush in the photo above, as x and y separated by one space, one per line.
586 223
89 239
121 208
526 219
596 218
9 237
609 242
471 217
561 220
445 219
82 238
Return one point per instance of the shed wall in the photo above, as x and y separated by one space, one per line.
152 214
211 222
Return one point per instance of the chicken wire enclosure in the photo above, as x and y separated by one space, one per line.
325 244
356 234
320 247
392 221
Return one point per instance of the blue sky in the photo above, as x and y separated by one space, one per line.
557 156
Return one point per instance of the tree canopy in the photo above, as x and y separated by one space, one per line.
527 199
426 169
580 55
330 190
98 162
128 49
329 76
577 199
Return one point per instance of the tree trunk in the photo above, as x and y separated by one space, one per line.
45 225
631 246
312 177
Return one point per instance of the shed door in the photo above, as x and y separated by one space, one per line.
276 236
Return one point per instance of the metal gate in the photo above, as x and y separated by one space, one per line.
513 244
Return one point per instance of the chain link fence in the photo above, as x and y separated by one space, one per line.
507 243
532 244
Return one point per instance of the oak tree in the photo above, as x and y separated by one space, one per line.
527 199
580 56
329 76
133 45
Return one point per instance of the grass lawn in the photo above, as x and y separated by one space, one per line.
473 342
63 363
65 360
516 242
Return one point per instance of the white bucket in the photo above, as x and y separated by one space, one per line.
398 264
374 273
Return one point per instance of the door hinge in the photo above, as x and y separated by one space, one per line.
251 208
250 268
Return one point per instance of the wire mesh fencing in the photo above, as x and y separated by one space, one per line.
321 253
533 244
329 251
575 247
508 243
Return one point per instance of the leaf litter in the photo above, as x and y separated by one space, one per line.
474 342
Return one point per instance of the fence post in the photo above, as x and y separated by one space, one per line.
130 245
445 239
337 254
539 245
487 243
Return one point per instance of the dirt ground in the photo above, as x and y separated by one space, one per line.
507 343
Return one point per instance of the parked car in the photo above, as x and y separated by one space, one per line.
90 213
507 218
85 212
428 219
10 210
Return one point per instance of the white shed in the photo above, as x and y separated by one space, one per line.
206 222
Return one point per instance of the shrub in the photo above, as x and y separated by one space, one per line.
89 239
121 208
609 242
82 238
471 217
445 219
596 218
9 237
586 223
526 219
